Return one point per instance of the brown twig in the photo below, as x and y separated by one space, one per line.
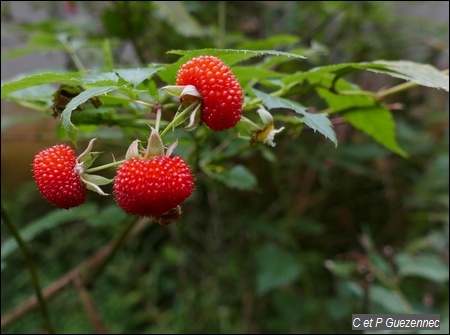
33 273
88 303
84 270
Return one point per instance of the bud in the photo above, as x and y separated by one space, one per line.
155 146
266 132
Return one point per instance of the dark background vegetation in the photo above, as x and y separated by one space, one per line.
326 233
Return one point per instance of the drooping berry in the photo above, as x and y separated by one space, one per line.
56 176
220 91
152 187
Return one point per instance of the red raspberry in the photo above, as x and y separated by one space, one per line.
56 177
152 187
221 92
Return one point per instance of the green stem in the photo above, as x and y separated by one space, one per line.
249 105
359 92
140 102
31 268
178 119
158 118
249 124
76 60
399 88
394 90
392 285
106 166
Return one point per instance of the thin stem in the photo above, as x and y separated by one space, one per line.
400 88
158 118
140 102
392 285
31 268
89 305
395 89
100 257
359 92
76 60
106 166
178 119
249 124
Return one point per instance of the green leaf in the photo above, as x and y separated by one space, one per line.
426 266
39 79
138 75
232 56
228 56
40 42
272 42
342 269
377 122
388 299
315 51
177 15
28 49
245 74
298 78
275 268
317 122
101 79
41 93
238 177
108 216
421 74
75 102
365 114
96 179
49 221
88 159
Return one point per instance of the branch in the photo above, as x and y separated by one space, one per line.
85 270
72 53
88 303
33 273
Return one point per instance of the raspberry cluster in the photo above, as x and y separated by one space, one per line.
148 183
220 91
56 177
152 187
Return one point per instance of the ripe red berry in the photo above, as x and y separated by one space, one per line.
152 187
221 92
56 177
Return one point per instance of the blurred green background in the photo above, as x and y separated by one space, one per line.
324 233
